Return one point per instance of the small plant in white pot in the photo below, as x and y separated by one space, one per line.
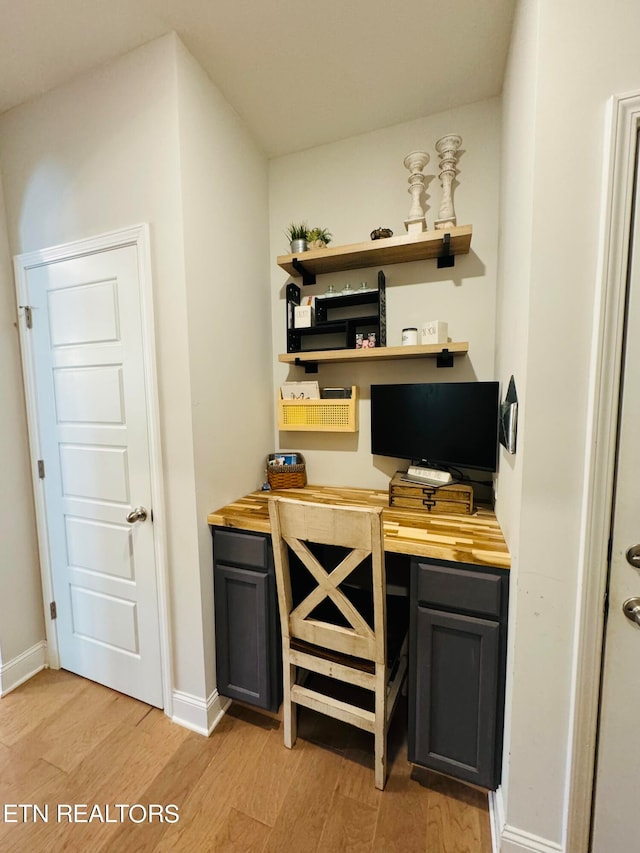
297 234
319 238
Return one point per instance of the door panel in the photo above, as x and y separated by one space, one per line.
93 431
617 785
242 620
453 693
99 547
89 395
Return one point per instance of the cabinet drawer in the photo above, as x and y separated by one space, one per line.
458 506
459 589
244 548
450 493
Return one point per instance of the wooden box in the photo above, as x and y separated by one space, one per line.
457 498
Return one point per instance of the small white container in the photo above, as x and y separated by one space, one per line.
303 316
435 332
410 336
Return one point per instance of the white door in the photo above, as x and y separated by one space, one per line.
88 372
617 791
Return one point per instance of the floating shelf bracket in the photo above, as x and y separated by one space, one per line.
444 359
307 277
446 258
309 366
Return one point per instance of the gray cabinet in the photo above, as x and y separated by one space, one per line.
457 669
248 645
457 651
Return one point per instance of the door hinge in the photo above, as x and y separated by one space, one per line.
28 315
41 469
53 610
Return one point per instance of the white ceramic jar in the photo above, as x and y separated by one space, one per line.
410 336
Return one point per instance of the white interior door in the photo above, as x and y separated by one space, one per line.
617 790
89 377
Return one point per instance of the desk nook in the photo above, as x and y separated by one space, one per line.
456 568
446 564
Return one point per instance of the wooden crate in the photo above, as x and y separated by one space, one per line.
457 498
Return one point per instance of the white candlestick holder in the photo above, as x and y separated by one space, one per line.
447 147
415 163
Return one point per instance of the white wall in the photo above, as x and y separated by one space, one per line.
21 622
514 274
583 55
352 187
224 198
95 155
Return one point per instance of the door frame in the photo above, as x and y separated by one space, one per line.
137 236
621 133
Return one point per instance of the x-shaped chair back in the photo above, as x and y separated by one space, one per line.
294 524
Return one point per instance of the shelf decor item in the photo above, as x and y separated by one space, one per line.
410 336
434 332
286 470
298 236
415 163
447 147
381 233
319 238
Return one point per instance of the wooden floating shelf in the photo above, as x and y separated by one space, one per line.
335 415
392 250
375 354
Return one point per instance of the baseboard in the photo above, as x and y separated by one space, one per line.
15 672
197 714
216 708
515 840
496 818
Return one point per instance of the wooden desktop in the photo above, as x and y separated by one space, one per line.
475 538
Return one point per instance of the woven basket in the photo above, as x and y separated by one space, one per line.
287 476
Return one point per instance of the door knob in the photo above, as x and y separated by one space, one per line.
633 556
137 514
631 609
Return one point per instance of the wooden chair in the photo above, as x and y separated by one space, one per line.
313 641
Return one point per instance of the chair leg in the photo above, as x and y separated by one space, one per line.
290 710
381 729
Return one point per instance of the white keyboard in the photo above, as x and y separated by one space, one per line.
429 476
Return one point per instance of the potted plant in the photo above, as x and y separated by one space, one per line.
297 235
319 238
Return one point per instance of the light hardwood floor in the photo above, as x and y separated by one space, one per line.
65 740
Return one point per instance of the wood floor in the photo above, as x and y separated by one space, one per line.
65 741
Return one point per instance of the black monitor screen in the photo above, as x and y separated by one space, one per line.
442 423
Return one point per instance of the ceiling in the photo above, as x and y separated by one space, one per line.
299 76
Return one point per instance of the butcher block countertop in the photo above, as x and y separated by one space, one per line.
474 538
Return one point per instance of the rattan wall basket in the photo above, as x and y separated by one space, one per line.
287 476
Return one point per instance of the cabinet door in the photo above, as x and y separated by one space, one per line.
242 635
453 695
